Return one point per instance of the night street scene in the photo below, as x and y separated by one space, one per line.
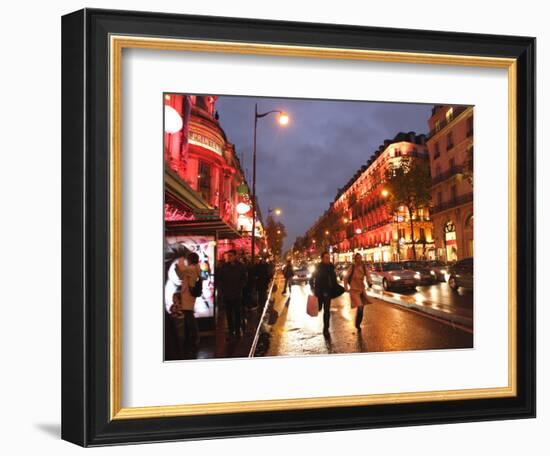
300 227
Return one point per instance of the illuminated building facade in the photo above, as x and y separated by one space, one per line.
204 180
358 220
450 148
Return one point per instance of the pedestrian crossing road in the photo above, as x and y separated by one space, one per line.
385 327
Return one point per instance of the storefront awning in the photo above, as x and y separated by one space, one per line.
212 227
205 219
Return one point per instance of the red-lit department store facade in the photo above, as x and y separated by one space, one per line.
204 181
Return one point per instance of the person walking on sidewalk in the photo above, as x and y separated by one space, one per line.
355 284
323 284
188 270
263 277
288 273
231 280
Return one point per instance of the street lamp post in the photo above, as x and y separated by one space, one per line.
283 120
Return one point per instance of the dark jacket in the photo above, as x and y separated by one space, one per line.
323 280
231 280
288 271
263 274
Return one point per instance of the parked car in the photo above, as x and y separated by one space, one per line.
301 275
461 274
422 268
392 276
440 269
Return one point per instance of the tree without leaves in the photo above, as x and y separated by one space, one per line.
275 233
408 185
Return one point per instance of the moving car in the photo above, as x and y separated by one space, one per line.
461 274
422 268
440 269
301 275
392 276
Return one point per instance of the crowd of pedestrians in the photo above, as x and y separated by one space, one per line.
241 287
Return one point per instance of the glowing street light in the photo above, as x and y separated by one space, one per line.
327 232
358 231
346 220
283 121
283 118
384 193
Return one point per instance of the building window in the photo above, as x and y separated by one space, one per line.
205 181
422 234
449 115
437 125
436 150
451 163
401 233
450 143
439 198
470 127
453 192
437 170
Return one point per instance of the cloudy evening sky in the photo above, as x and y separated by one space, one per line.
301 166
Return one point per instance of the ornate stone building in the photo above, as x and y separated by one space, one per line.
450 148
358 219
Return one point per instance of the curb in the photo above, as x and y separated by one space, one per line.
424 307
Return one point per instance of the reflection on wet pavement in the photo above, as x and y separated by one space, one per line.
385 327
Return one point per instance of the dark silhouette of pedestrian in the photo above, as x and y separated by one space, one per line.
263 277
288 273
231 281
323 282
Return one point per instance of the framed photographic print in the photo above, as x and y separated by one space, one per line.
268 227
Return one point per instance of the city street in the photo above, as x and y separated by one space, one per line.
439 296
386 327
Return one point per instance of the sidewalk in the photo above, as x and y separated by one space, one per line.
215 343
453 314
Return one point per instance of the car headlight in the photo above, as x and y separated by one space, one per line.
432 272
396 277
417 275
309 276
295 277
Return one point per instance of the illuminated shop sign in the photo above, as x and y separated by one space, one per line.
202 141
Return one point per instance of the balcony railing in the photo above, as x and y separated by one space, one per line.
453 202
446 174
444 122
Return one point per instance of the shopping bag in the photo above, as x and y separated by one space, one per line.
312 306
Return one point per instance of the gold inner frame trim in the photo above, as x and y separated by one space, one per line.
117 44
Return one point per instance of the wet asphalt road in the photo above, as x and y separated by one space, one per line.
386 327
440 292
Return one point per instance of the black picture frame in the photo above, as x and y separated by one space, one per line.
85 227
